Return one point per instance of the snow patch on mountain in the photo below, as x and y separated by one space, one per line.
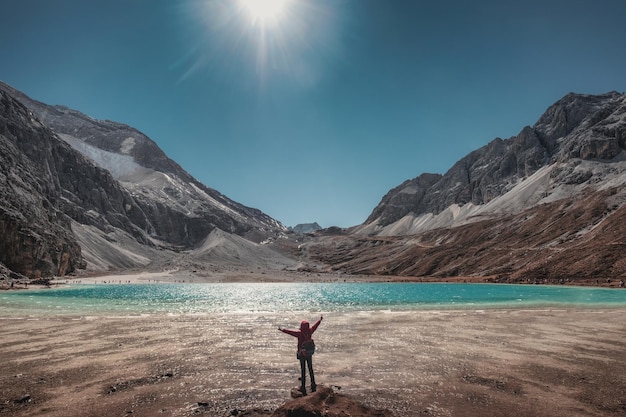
127 145
122 167
147 182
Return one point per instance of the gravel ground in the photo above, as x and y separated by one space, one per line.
569 362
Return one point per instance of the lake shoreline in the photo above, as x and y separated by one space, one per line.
159 294
539 361
234 275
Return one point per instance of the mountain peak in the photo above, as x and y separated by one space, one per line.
306 228
576 127
104 182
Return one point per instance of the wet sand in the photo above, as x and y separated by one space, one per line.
569 362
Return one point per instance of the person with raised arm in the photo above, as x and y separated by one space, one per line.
306 349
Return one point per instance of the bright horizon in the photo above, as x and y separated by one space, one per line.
312 110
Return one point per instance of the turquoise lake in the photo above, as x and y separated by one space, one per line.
280 297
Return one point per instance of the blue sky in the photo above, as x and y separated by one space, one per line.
314 114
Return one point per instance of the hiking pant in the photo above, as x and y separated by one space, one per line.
304 362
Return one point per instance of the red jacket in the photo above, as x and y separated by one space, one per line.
305 332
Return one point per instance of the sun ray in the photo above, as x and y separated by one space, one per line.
276 41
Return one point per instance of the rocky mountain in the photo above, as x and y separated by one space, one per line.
578 142
79 192
225 249
306 228
547 204
544 206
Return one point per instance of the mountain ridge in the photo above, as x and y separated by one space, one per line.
118 138
71 165
562 134
546 205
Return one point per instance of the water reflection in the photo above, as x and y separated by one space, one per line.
273 297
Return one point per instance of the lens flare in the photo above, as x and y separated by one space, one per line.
278 42
265 10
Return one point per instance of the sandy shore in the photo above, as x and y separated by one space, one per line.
225 275
455 363
238 274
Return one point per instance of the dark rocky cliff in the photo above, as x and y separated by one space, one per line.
36 235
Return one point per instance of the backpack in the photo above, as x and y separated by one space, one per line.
306 349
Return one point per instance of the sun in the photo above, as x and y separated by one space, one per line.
265 10
271 42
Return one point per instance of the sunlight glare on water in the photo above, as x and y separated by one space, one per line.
281 297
